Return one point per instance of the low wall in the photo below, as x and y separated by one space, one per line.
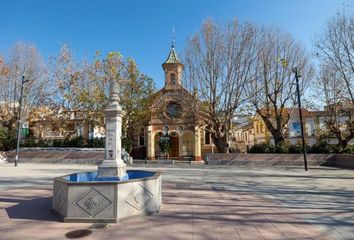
58 155
341 161
96 156
265 159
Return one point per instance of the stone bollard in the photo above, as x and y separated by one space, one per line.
3 157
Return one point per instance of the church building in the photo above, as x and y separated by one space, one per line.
174 119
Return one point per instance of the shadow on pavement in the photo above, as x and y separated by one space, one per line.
32 209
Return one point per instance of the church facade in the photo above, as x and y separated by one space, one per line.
174 119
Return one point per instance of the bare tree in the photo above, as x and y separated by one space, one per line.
335 51
218 62
23 60
338 109
5 94
63 73
272 89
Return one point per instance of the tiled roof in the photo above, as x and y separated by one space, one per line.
172 57
295 112
290 111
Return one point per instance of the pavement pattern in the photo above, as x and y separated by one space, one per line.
199 202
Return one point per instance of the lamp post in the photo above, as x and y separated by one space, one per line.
19 121
300 114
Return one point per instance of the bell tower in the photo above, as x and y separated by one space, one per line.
173 68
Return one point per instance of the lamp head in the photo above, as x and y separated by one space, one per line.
25 80
295 71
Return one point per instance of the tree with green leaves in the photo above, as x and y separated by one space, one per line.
165 145
136 93
136 89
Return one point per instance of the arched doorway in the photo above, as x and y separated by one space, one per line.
174 140
188 143
157 151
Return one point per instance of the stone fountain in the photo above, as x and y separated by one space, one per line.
112 193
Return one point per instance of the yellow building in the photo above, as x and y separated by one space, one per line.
255 130
261 132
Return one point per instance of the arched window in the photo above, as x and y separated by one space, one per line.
173 78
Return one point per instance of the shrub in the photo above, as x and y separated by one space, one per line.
281 148
42 143
34 142
322 147
70 142
295 148
349 149
270 148
30 142
262 148
7 139
96 143
76 142
127 144
165 144
58 143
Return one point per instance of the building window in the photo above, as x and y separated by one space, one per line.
207 137
142 137
173 78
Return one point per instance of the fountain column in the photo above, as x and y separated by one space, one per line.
113 165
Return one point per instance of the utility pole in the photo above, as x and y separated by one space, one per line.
19 121
300 114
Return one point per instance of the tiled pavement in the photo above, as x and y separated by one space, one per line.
199 203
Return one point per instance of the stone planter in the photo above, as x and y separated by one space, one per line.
76 198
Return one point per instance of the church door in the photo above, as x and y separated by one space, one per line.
174 147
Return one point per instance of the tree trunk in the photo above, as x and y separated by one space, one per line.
86 132
220 143
342 143
277 134
278 139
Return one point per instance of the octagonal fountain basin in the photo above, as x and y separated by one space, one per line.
82 197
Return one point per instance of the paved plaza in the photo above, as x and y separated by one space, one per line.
199 202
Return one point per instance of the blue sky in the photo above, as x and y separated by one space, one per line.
142 29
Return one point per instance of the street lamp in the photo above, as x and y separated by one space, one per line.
300 114
19 121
